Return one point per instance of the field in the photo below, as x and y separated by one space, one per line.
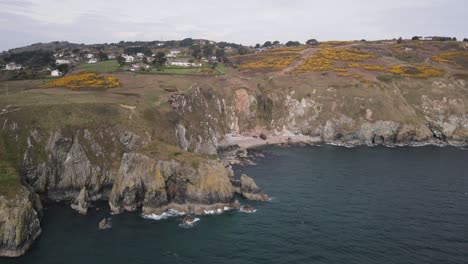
100 67
204 70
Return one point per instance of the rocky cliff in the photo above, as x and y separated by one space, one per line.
20 216
163 142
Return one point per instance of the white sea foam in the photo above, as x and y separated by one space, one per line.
212 212
167 214
190 223
248 212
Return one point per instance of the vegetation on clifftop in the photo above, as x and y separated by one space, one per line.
83 80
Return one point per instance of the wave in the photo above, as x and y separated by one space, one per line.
247 211
189 224
165 215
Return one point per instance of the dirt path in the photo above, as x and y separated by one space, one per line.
305 54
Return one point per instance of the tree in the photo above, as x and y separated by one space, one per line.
220 55
196 52
63 68
292 43
267 44
415 38
312 42
102 56
257 46
465 40
454 39
242 50
160 59
121 60
276 42
400 40
187 42
208 50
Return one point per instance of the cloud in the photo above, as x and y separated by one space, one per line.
245 21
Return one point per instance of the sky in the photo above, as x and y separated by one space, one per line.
24 22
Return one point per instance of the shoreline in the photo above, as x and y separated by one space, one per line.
251 142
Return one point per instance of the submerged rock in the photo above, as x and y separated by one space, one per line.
189 220
105 224
19 222
248 209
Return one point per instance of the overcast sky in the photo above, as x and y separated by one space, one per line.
23 22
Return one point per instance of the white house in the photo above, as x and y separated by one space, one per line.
55 73
129 59
111 57
92 61
89 56
138 66
60 62
13 66
185 64
140 55
173 54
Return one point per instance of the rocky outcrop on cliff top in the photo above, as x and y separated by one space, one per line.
19 222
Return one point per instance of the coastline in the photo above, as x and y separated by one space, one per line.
251 142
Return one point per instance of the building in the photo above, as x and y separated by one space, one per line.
55 73
92 61
13 66
111 57
60 62
139 66
128 58
185 64
140 55
173 54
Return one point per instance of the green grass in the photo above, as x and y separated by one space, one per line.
221 68
100 67
174 70
9 181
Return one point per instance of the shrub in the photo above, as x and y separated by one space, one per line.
83 80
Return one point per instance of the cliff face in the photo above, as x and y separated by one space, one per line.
153 185
20 216
405 112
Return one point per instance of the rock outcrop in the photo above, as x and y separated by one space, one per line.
247 187
154 184
20 216
81 203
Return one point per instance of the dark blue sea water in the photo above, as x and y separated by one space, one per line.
331 205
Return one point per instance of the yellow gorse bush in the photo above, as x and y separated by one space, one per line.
273 62
324 58
369 67
421 71
83 80
451 57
